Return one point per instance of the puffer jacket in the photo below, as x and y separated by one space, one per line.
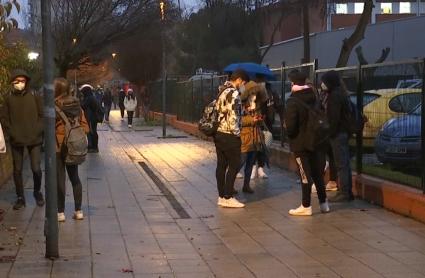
71 108
130 104
250 134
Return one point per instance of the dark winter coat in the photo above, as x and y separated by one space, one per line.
90 106
107 98
121 97
296 117
22 117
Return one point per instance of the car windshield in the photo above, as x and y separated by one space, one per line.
367 98
404 84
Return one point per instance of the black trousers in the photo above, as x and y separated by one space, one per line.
122 110
77 188
93 137
18 164
228 148
333 171
130 115
311 166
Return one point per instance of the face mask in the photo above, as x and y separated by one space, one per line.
241 89
19 86
324 87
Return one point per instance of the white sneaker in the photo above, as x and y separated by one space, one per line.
331 186
232 203
261 173
129 126
61 217
301 211
313 188
220 201
78 215
254 172
239 175
324 207
122 119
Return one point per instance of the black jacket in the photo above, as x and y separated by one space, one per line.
296 117
90 107
337 111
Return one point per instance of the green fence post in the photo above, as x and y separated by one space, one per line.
359 135
423 127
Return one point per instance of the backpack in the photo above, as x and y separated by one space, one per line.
355 118
75 142
317 124
209 122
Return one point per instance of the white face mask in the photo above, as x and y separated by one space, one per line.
324 87
19 86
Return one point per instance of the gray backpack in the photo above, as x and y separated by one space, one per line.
75 142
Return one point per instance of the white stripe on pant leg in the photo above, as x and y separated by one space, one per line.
304 179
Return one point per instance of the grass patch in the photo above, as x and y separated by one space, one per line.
386 172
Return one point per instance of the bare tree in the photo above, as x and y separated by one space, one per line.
6 22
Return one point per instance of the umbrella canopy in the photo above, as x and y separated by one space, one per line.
252 69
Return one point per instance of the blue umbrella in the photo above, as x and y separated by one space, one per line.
252 69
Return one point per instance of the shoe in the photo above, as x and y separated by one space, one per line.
232 203
129 126
220 201
247 189
39 198
122 119
261 173
301 211
254 172
340 197
239 176
78 215
61 217
331 186
324 207
313 188
92 150
20 203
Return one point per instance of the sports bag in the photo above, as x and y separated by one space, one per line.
209 122
75 142
317 124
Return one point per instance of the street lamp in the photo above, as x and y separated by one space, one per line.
114 55
33 55
74 40
164 70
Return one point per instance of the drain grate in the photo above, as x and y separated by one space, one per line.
165 191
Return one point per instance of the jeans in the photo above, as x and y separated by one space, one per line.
228 148
130 117
93 137
18 163
333 171
248 159
311 166
261 159
75 181
341 154
107 109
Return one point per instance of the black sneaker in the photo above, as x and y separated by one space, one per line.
340 197
20 203
39 198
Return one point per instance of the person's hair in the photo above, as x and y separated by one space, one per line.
297 77
130 95
239 73
62 87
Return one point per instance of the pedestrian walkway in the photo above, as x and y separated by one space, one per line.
150 207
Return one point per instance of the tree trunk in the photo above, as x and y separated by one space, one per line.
306 31
358 35
275 28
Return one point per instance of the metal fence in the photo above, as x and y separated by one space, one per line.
390 95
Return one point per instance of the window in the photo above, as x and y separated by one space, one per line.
405 103
341 9
358 8
367 98
386 8
405 8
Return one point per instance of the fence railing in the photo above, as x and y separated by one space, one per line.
392 144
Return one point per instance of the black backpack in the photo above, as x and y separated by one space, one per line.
317 124
209 122
355 118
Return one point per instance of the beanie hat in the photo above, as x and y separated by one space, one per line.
331 79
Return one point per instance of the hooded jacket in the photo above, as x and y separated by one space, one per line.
229 110
296 117
72 109
250 132
22 115
336 105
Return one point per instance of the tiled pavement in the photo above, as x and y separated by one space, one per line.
132 230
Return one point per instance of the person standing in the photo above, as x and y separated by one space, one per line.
107 103
311 161
130 104
70 107
2 141
23 123
227 139
91 107
337 110
115 97
121 98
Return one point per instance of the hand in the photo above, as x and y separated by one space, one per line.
258 118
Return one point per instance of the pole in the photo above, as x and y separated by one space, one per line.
359 135
423 127
164 74
51 221
283 86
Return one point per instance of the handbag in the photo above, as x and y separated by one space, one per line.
268 137
2 141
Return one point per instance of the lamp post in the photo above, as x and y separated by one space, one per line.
164 69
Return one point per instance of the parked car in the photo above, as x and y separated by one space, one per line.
399 141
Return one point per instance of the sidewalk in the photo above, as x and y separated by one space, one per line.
150 207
